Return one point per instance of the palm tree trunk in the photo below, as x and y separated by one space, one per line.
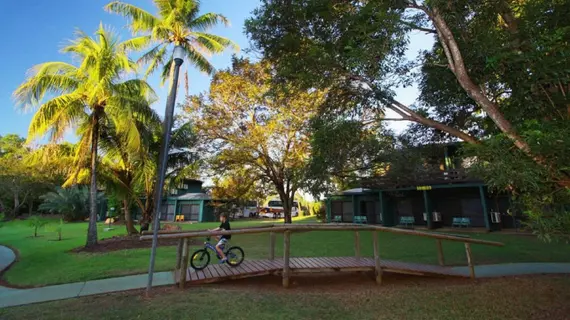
131 230
92 230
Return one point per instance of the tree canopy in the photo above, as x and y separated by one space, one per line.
244 124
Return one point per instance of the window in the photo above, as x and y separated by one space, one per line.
173 191
185 186
275 204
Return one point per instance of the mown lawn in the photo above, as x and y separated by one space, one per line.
44 261
351 297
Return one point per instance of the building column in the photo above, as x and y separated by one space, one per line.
484 206
201 219
328 206
175 209
354 207
427 208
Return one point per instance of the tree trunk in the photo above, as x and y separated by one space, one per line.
16 204
457 66
92 229
131 230
30 206
147 213
286 200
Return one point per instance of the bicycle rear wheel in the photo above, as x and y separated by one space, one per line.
200 259
235 256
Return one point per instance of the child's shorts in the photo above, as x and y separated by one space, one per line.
222 242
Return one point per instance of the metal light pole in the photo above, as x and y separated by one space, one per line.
163 158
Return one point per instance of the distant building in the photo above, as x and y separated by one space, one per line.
437 197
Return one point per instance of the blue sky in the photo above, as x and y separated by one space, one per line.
34 31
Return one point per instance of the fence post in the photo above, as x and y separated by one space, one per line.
357 244
469 260
179 253
440 253
286 247
377 266
184 269
271 245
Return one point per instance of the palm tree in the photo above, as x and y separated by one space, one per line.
176 24
89 95
122 169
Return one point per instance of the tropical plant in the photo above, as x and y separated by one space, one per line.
183 162
72 203
177 23
36 223
58 228
122 168
89 96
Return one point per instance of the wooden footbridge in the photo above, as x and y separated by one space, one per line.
288 266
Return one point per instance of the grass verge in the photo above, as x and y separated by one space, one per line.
45 261
543 297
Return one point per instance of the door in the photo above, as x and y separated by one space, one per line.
191 212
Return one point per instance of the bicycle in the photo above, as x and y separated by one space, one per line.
201 258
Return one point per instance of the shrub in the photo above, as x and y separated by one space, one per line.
552 227
36 223
321 212
58 228
71 203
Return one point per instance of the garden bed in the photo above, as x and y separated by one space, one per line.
117 243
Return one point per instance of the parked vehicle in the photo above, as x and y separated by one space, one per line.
274 209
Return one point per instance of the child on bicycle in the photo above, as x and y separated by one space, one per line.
222 240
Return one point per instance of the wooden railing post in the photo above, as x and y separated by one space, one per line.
286 247
179 253
440 253
271 245
184 267
470 260
357 244
377 266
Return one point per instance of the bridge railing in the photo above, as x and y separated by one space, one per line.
182 253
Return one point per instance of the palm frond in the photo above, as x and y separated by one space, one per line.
51 77
213 43
197 59
135 44
154 58
207 21
56 115
140 20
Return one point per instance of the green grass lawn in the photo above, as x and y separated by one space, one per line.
44 261
355 297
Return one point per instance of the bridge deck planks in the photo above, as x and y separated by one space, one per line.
249 268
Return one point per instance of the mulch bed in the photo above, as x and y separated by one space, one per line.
128 242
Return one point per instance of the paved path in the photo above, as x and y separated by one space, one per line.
15 297
7 256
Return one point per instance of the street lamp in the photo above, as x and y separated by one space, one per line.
178 57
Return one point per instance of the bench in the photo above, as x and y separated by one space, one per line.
337 219
179 218
461 222
408 220
360 220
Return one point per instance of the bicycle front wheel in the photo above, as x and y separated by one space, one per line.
200 259
235 256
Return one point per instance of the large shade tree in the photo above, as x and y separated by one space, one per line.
500 55
245 124
89 95
496 77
